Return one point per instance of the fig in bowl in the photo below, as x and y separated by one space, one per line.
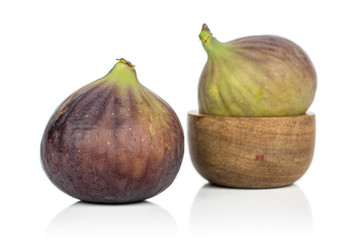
256 76
252 129
113 141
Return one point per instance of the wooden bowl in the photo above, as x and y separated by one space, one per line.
251 152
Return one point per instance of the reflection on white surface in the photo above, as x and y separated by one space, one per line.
272 213
97 221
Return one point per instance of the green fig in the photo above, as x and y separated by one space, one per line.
113 141
256 76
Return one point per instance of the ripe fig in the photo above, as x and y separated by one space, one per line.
113 141
255 76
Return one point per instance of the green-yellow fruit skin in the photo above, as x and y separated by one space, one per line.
257 76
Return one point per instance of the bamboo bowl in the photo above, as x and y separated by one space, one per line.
251 152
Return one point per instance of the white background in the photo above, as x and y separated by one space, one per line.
48 49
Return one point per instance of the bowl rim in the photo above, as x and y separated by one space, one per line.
196 113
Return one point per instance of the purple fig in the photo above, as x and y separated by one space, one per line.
113 141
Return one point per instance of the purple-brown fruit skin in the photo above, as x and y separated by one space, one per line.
109 144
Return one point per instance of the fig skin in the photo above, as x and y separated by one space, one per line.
113 141
256 76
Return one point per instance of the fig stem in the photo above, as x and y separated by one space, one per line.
123 60
123 73
205 27
205 33
211 44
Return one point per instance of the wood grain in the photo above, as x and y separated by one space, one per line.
251 152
